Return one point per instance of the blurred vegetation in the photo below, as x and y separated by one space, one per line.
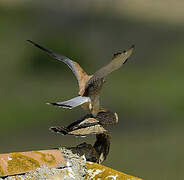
147 92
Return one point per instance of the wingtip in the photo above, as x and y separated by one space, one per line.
53 103
28 40
48 103
132 47
41 47
52 128
35 44
59 105
59 130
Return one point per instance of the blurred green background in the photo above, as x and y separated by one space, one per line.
147 92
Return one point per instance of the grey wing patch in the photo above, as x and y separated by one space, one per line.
89 120
85 127
72 103
88 126
74 66
93 129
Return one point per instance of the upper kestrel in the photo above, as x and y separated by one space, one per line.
89 85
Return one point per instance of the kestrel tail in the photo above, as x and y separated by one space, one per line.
102 146
96 153
89 85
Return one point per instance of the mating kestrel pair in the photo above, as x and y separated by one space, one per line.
88 95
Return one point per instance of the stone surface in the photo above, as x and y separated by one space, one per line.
21 162
74 167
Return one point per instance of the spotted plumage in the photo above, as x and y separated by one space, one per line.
88 124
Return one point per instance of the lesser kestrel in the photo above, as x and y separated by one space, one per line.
88 124
89 85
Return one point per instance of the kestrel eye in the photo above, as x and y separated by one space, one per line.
116 116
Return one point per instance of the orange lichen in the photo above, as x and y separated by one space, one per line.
21 163
2 173
47 158
97 171
17 178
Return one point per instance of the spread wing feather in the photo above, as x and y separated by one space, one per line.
74 66
118 60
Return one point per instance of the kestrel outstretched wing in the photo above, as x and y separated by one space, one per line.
79 73
59 129
86 127
118 60
92 128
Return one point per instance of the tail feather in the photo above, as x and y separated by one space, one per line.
74 102
59 129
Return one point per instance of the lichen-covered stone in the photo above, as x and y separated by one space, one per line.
74 168
2 173
99 172
21 163
44 173
47 158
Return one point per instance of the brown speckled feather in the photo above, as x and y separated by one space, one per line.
88 124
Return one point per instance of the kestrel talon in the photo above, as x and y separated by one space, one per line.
89 85
88 124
